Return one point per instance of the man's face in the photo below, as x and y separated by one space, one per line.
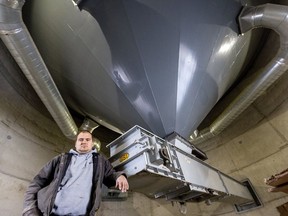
84 142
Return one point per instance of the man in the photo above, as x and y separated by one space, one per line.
70 184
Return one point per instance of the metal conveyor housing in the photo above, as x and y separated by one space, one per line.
162 169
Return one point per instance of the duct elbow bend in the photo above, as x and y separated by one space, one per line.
11 16
270 16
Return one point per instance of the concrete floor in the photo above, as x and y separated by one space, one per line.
254 147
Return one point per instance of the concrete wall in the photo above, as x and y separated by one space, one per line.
255 147
27 141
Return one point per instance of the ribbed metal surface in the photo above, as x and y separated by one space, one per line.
159 64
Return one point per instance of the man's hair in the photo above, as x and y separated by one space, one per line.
83 131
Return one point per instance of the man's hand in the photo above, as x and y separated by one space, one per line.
122 183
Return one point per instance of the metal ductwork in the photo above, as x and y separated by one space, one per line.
270 16
16 37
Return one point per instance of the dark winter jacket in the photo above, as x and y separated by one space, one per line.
40 195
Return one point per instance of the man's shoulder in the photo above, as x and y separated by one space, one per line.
60 156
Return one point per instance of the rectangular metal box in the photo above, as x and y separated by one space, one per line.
158 168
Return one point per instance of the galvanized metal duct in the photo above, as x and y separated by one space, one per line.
270 16
16 37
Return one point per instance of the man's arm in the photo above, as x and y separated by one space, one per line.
42 179
118 178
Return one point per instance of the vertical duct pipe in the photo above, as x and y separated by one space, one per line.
270 16
17 39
